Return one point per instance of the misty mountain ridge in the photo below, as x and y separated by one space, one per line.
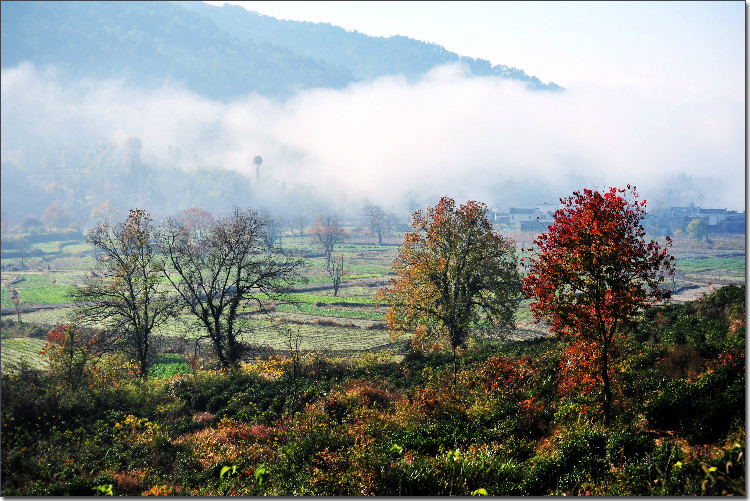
220 52
338 117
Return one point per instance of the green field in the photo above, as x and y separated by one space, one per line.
736 264
309 309
37 288
324 321
22 350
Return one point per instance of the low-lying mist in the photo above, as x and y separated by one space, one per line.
448 134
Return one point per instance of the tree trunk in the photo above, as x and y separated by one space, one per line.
455 366
607 404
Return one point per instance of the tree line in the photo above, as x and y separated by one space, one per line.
455 277
587 276
194 263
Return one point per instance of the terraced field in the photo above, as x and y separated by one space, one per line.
350 321
19 350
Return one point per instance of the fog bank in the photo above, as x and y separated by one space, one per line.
448 134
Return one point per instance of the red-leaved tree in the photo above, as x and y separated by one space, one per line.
593 270
71 355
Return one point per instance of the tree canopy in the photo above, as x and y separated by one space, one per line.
593 270
455 275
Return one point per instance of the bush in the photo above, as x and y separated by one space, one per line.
542 477
624 446
705 409
712 324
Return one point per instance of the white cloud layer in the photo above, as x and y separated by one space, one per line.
448 133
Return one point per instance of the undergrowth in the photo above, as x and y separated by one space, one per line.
320 425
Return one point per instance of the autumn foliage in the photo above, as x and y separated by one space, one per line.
71 354
593 270
453 275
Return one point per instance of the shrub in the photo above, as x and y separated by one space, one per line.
542 477
712 324
705 409
71 355
624 446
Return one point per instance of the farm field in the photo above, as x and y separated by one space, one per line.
350 321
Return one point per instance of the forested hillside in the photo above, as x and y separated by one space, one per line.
220 52
365 56
152 43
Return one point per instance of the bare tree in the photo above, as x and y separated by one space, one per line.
300 223
389 220
271 232
327 233
414 201
336 271
15 298
375 216
125 293
216 274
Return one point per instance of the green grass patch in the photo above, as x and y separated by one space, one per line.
724 263
46 295
309 309
50 294
317 298
48 247
167 365
23 350
74 248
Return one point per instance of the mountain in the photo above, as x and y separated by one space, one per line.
365 56
221 52
152 43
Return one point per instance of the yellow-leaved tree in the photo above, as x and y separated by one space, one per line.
455 276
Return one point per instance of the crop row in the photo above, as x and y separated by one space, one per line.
309 309
23 349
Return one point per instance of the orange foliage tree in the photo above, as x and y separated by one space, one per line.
455 275
71 354
56 217
594 270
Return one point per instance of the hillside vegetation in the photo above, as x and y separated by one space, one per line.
221 52
318 425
